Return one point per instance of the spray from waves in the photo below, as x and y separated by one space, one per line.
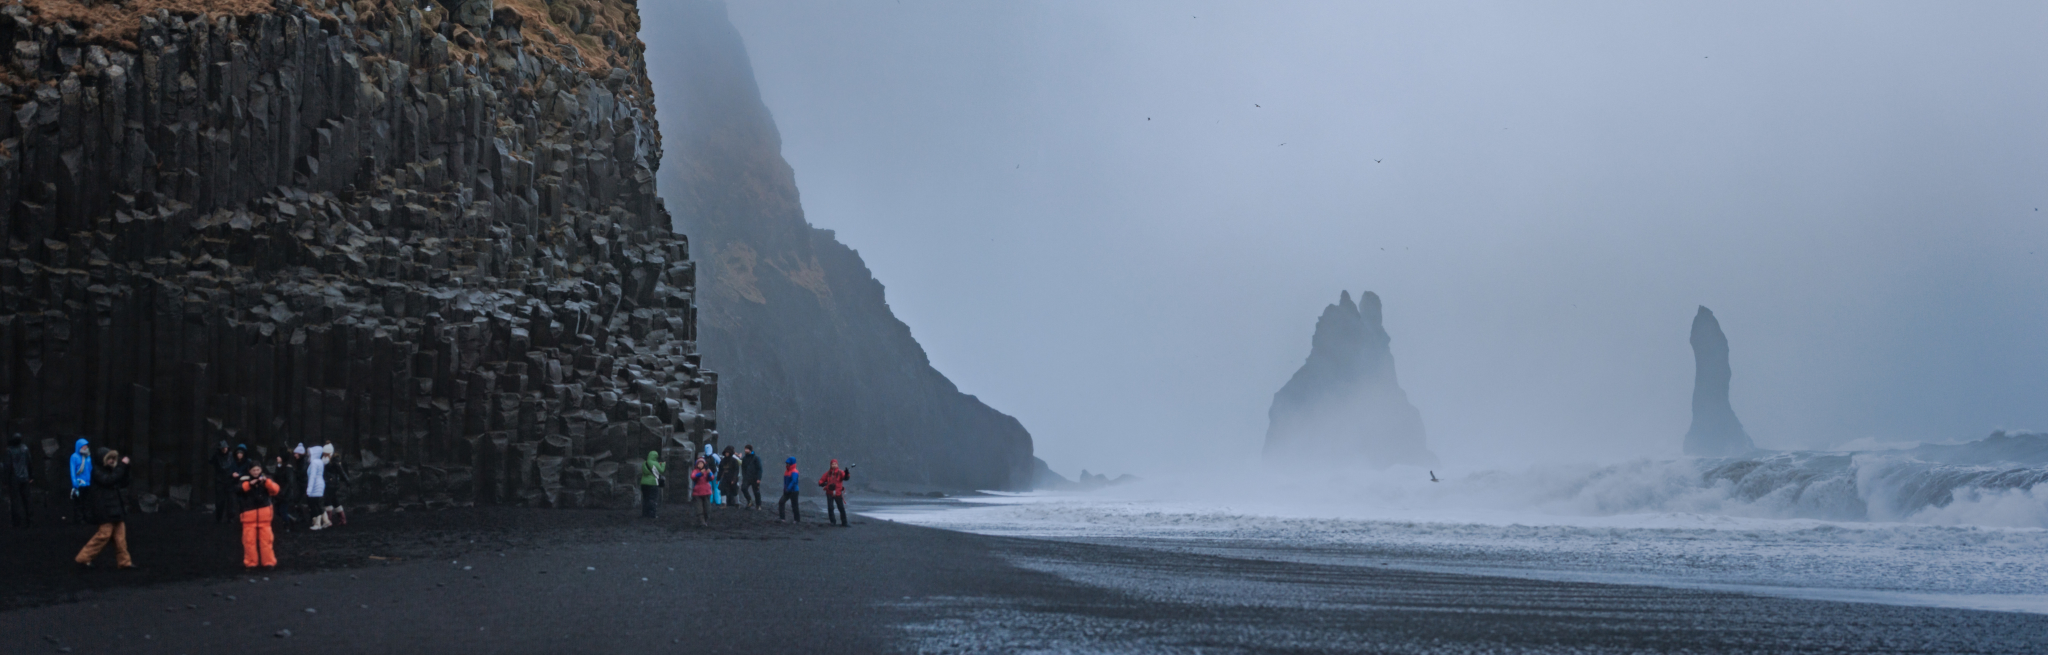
1995 482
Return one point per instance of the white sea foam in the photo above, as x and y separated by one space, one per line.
1872 527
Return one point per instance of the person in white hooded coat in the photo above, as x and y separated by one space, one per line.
316 487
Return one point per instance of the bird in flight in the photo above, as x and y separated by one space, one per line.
1255 104
1432 477
1375 161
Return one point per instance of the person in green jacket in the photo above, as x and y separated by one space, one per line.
650 484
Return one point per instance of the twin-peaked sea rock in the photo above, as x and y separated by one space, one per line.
1345 405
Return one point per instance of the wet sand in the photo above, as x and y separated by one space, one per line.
532 581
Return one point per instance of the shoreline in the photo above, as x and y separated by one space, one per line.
595 580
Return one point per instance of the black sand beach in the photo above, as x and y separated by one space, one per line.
534 581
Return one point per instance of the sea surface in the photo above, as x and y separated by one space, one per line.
1897 527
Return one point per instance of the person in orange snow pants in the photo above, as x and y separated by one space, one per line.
256 491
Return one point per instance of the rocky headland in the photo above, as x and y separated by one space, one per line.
816 363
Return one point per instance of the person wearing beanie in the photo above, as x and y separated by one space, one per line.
700 491
834 482
789 486
257 490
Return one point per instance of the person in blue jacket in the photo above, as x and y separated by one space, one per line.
81 478
789 487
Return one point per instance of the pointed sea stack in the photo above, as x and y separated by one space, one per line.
1715 430
1345 405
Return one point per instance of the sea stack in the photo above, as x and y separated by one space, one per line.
1715 430
1345 405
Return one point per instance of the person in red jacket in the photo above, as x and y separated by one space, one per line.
256 491
834 482
700 491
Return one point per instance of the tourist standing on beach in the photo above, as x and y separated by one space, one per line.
790 481
750 478
729 478
256 490
650 484
316 489
336 472
711 465
110 511
834 482
285 473
81 480
224 471
700 492
19 482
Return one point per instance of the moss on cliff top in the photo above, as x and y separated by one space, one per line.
600 34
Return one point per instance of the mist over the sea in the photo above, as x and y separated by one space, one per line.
1087 216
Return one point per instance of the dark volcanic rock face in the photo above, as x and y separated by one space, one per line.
426 232
817 364
1715 430
1345 405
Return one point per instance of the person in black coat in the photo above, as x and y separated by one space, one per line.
750 478
226 465
20 478
729 478
287 476
110 510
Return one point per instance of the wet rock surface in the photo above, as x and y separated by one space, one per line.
425 231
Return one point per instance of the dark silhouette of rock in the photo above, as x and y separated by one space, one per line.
1345 404
816 363
1715 430
434 242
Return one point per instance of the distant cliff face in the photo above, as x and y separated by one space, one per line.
1345 404
815 363
424 231
1715 430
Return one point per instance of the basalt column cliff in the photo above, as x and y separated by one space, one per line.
816 363
426 231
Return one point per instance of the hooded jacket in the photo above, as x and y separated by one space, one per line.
750 468
81 467
651 472
834 480
790 479
107 483
316 478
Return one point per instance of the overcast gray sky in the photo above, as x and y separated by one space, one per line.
1118 221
